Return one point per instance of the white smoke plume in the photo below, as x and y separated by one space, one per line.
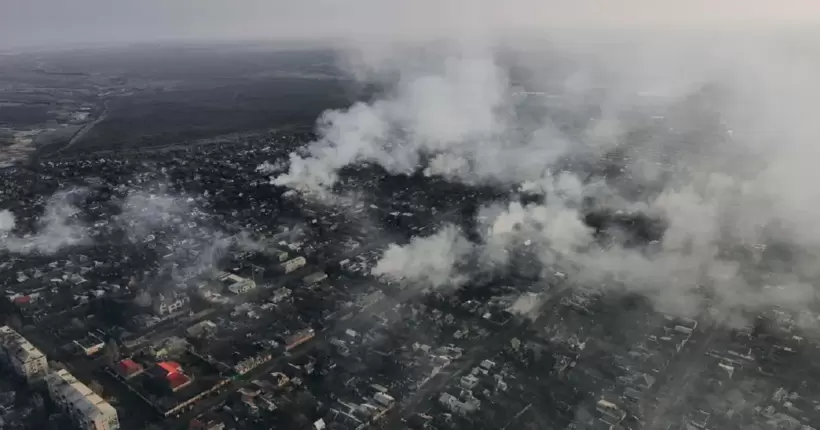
426 261
57 228
143 213
183 224
714 133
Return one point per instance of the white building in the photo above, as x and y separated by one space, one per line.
293 264
383 399
469 382
23 358
85 407
457 406
236 284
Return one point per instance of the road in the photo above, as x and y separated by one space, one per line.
686 366
86 369
478 350
321 338
80 134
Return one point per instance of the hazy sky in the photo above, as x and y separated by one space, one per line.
25 23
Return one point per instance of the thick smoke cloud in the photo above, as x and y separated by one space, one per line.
57 228
715 138
444 113
427 261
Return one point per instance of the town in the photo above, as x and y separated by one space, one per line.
189 293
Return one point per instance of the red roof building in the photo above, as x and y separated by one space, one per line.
170 366
128 368
177 380
173 374
22 300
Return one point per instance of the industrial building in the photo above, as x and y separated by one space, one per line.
87 409
21 356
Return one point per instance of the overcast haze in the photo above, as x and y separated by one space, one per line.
54 23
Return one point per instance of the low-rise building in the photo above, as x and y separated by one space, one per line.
202 329
90 344
282 293
128 368
293 264
299 338
251 363
171 373
455 405
236 284
21 356
87 409
314 278
384 399
169 304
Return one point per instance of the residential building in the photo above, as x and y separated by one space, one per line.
251 363
172 374
299 338
169 304
455 405
236 284
88 410
90 344
207 422
314 278
293 264
469 382
282 293
202 329
21 356
384 399
128 368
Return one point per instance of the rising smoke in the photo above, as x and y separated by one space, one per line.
184 227
714 138
427 261
56 229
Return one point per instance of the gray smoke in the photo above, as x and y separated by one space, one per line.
183 225
427 261
713 133
57 228
143 213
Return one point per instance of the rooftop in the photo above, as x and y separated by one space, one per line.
18 346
